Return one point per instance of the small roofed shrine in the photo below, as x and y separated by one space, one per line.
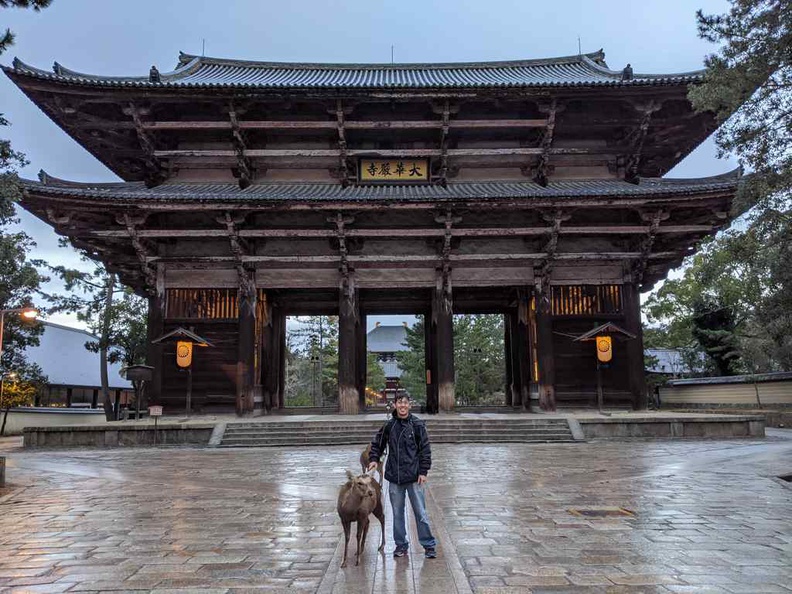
255 190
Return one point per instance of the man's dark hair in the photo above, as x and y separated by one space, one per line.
401 397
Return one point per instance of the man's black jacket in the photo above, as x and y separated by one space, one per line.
409 452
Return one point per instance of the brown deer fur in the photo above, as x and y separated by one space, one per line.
359 497
364 462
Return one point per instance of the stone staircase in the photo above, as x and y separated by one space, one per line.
332 432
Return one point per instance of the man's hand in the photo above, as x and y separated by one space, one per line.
421 479
371 466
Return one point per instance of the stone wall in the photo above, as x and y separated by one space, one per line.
117 436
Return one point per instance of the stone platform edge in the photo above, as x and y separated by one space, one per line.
673 427
166 434
584 427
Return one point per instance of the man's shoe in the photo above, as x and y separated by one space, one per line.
400 552
430 554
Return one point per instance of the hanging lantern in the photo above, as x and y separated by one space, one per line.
184 350
604 348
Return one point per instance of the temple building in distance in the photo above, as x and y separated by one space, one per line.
253 191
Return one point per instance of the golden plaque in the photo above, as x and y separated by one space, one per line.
394 170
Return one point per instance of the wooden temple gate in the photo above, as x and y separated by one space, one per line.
253 190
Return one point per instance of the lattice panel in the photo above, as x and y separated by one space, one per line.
201 304
586 300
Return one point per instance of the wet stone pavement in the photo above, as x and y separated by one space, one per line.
602 517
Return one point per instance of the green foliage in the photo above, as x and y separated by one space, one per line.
714 328
19 279
412 362
751 77
745 274
375 376
478 360
21 390
312 364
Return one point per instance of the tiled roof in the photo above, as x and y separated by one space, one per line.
317 192
199 71
387 339
63 358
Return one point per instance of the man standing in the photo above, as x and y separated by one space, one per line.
409 460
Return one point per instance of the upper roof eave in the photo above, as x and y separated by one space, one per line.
327 192
584 70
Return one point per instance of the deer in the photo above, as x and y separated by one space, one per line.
364 462
359 497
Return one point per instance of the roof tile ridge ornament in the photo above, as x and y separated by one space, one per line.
190 59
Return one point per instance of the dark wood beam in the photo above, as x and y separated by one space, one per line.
408 259
329 125
393 233
395 153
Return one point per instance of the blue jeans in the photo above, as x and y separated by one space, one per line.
397 494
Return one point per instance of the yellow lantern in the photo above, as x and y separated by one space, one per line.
184 350
604 351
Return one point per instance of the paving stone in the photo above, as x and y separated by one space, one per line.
706 517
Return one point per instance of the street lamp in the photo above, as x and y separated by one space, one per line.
29 313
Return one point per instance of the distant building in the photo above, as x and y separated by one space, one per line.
669 362
73 371
385 342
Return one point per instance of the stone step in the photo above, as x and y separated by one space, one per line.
431 425
432 433
318 440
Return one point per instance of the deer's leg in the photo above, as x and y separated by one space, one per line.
347 526
380 515
361 535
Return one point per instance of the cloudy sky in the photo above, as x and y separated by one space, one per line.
127 37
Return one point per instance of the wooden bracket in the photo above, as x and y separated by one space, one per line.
636 141
654 219
551 247
244 166
155 173
542 168
141 250
343 166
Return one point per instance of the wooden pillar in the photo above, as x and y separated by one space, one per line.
154 329
281 359
443 319
523 350
635 349
430 358
246 358
269 376
361 367
348 400
117 405
508 347
544 332
68 397
95 398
